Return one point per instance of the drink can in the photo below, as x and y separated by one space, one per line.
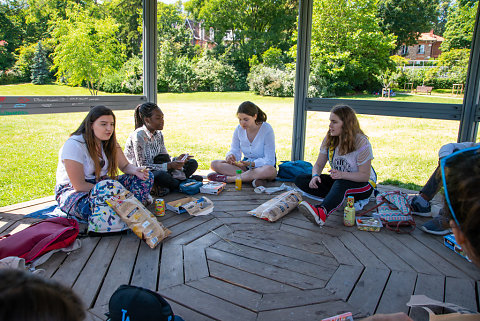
349 212
159 207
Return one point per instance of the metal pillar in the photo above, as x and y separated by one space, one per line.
468 122
150 50
301 78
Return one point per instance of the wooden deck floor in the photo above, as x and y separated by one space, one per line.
232 266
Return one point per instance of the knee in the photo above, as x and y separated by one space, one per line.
271 172
191 163
214 164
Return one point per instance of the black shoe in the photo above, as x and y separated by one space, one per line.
197 178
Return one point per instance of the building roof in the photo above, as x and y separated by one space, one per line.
429 36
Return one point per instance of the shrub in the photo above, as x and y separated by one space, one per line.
129 79
10 76
269 81
213 75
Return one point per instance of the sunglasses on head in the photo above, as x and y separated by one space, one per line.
448 161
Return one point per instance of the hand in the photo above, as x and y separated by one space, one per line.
245 164
336 174
141 172
231 159
176 164
314 182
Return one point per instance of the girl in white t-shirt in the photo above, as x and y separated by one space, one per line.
87 173
349 153
254 138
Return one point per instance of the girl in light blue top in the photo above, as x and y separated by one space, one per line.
254 138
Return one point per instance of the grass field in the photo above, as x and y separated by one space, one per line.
201 124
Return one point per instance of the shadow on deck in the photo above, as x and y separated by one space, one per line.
232 266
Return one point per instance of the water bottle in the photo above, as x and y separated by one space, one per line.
349 212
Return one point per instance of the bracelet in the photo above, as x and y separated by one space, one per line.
314 175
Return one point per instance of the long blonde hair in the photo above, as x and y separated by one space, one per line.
350 129
110 146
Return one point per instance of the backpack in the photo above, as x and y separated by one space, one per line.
395 211
190 186
39 238
289 170
130 302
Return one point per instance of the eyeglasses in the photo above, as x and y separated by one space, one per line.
448 161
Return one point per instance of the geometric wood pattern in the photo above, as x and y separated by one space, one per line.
232 266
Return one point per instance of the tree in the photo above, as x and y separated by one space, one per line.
407 18
348 47
39 66
87 49
459 28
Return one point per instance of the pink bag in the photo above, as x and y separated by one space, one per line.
39 238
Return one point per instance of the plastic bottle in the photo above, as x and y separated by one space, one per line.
238 180
349 212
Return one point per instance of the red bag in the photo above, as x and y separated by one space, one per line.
39 238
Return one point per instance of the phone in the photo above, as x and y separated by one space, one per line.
184 158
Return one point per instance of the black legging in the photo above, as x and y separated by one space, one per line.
165 179
334 191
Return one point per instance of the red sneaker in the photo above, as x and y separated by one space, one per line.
314 214
217 177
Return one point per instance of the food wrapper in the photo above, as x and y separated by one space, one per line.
277 207
191 205
138 218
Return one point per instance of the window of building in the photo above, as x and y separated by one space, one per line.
421 49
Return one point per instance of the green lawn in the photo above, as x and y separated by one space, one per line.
405 149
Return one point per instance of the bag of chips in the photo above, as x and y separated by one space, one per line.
138 218
277 207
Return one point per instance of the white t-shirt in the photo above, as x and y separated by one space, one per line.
261 150
350 162
75 149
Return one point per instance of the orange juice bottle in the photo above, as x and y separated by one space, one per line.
238 180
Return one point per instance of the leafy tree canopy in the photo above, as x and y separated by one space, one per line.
459 28
407 18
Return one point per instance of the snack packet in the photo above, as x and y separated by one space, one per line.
277 207
138 218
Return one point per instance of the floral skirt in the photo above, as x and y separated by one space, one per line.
91 206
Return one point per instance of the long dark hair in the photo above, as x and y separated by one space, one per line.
350 129
109 146
249 108
143 111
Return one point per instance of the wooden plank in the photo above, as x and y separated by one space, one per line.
432 286
440 264
368 290
305 224
73 265
30 209
361 252
6 226
275 260
461 292
120 269
171 265
188 224
267 270
286 239
146 267
53 263
406 254
340 252
228 292
309 312
213 237
397 293
295 298
317 257
246 280
194 263
19 227
385 254
207 304
187 314
343 280
195 232
88 283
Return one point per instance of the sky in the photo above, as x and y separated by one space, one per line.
168 1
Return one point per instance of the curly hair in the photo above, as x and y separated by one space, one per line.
350 129
462 175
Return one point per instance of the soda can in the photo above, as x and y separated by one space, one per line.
159 207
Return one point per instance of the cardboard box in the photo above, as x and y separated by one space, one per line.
191 205
213 188
451 243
